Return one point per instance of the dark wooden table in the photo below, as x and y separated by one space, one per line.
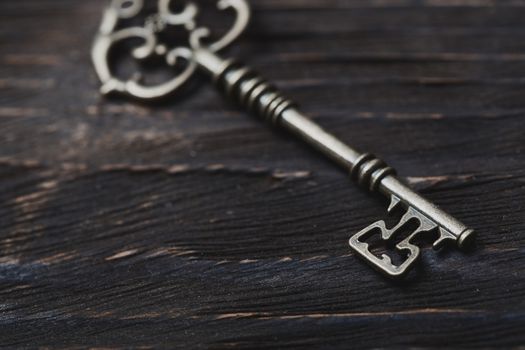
190 225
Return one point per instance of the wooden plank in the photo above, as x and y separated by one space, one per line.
189 224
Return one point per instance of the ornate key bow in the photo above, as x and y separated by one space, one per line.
110 35
248 89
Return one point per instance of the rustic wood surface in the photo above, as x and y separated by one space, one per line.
190 225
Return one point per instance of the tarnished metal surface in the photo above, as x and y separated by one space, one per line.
247 88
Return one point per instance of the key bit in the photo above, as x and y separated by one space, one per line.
247 88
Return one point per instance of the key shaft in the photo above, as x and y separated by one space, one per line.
248 89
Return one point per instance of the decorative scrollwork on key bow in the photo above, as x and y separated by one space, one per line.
110 34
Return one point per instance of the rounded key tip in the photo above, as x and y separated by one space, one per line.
466 238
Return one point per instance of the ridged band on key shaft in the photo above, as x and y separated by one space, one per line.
247 88
368 171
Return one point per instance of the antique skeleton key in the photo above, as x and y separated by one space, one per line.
248 89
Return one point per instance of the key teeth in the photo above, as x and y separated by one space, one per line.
386 259
394 201
384 263
444 236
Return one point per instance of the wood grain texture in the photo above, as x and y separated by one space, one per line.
190 225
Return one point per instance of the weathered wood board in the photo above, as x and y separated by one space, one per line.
192 225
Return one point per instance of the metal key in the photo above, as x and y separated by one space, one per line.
248 89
